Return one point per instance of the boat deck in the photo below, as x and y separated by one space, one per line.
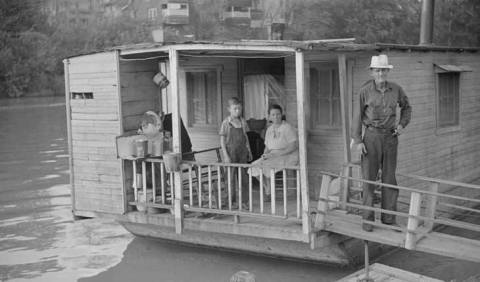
384 273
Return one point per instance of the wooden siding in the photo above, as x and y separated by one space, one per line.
424 150
139 93
324 146
94 125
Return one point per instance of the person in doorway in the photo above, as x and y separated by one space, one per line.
281 147
153 124
235 146
375 111
186 142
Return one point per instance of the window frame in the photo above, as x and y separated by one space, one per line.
218 70
442 129
324 65
152 13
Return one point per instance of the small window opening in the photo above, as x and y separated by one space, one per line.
81 95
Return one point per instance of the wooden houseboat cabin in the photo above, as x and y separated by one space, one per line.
315 82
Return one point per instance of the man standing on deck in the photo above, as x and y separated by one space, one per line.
376 109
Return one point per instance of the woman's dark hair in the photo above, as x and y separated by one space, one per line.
275 107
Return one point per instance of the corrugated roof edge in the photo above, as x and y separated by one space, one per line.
342 44
426 48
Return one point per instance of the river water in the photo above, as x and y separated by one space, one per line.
40 241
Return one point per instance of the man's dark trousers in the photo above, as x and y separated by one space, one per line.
381 154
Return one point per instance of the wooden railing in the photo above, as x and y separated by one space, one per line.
210 187
160 193
218 183
423 207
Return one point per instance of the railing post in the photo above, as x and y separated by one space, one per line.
302 109
431 206
415 203
144 183
178 205
322 204
345 185
177 142
135 184
272 191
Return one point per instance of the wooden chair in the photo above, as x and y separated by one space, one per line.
202 178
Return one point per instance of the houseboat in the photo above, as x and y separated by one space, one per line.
313 212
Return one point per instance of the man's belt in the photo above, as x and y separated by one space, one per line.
381 130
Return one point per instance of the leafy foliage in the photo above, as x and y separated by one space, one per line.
31 52
366 20
22 47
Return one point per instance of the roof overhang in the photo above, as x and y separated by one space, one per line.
452 68
268 48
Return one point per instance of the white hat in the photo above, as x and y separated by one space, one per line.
380 62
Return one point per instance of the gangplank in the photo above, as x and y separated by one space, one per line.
421 220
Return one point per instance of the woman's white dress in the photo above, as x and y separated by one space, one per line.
277 139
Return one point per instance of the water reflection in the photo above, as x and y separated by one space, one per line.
40 240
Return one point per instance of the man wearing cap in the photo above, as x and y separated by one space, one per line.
375 111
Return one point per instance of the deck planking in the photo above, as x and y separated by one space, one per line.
432 242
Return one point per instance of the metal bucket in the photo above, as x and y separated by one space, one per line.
141 207
141 148
172 161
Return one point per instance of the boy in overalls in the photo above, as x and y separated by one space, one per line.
235 146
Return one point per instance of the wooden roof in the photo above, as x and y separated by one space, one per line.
245 47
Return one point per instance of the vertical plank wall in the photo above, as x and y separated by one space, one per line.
138 95
324 146
204 138
94 126
423 150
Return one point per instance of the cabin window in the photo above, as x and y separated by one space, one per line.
152 13
324 96
81 95
448 99
203 97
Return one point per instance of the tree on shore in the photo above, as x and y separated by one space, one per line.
31 52
23 48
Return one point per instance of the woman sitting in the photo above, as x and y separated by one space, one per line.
281 147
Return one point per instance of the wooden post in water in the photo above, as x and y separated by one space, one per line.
302 141
415 203
367 264
177 142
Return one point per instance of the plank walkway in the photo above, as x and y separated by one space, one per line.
415 230
429 242
384 273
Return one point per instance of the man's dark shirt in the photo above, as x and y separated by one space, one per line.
377 109
186 143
